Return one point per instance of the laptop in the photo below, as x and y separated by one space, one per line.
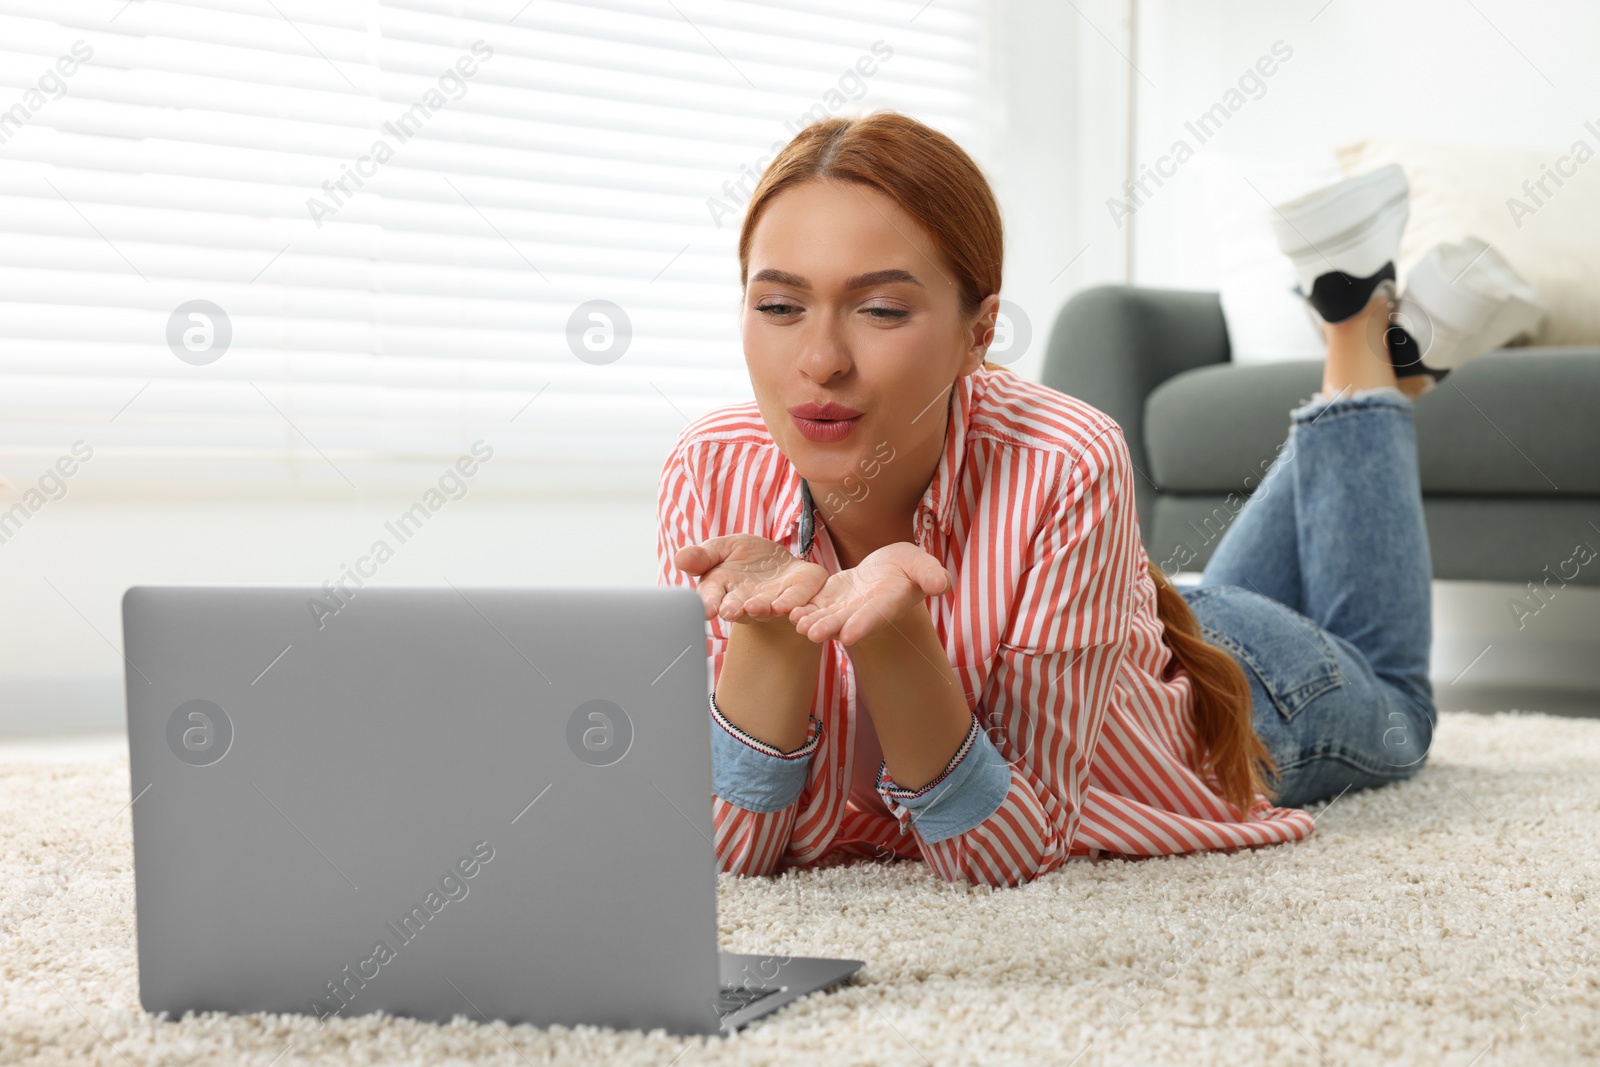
433 801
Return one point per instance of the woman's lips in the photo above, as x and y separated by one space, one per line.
824 422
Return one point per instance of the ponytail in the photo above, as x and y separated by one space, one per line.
1223 717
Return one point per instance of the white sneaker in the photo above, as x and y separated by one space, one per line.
1462 299
1344 239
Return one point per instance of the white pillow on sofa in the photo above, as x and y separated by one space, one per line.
1550 236
1267 320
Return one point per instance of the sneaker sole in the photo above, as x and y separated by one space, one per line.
1352 227
1463 299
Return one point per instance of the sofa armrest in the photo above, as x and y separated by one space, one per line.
1112 345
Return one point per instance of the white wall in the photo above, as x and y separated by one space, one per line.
1492 72
1055 138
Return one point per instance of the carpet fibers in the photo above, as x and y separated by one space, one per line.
1447 920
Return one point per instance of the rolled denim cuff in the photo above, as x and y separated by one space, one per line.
971 788
753 774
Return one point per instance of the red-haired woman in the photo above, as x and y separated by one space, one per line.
934 631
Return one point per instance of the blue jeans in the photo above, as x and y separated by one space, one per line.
1321 590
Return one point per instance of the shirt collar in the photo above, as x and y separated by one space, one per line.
795 496
940 499
938 502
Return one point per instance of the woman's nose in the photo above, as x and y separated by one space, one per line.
824 357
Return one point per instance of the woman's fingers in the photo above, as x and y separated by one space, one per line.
786 601
715 563
743 577
759 606
850 607
855 628
808 615
692 559
800 589
732 607
757 596
819 626
713 552
821 619
711 593
929 575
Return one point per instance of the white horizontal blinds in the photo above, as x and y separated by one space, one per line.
509 172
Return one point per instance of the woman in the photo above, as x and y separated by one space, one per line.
934 632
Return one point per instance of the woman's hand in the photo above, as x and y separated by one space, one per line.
874 593
748 578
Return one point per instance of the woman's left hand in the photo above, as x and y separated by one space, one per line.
871 595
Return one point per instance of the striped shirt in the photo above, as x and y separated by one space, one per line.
1050 626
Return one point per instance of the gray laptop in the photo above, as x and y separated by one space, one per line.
489 802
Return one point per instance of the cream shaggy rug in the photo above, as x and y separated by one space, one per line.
1448 920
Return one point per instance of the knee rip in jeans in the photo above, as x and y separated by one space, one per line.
1304 418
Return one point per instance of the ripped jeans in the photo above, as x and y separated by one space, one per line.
1321 590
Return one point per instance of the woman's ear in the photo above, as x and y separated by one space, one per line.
981 333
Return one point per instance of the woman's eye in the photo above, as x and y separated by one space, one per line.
779 309
887 313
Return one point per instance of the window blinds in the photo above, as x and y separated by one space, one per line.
336 243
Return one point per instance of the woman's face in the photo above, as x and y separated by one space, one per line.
849 304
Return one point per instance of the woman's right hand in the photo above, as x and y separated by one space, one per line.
747 578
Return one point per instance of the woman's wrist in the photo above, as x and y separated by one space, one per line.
768 681
918 706
773 631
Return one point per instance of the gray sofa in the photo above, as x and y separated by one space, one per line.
1509 445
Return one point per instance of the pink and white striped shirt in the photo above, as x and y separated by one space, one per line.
1051 627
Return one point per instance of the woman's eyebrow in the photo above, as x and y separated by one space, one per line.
860 281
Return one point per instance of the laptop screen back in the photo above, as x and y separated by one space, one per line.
492 802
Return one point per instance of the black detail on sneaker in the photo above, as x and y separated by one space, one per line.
1406 355
1337 296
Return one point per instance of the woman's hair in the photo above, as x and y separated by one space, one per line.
926 173
1222 711
935 182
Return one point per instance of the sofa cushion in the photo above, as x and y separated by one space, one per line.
1482 539
1517 422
